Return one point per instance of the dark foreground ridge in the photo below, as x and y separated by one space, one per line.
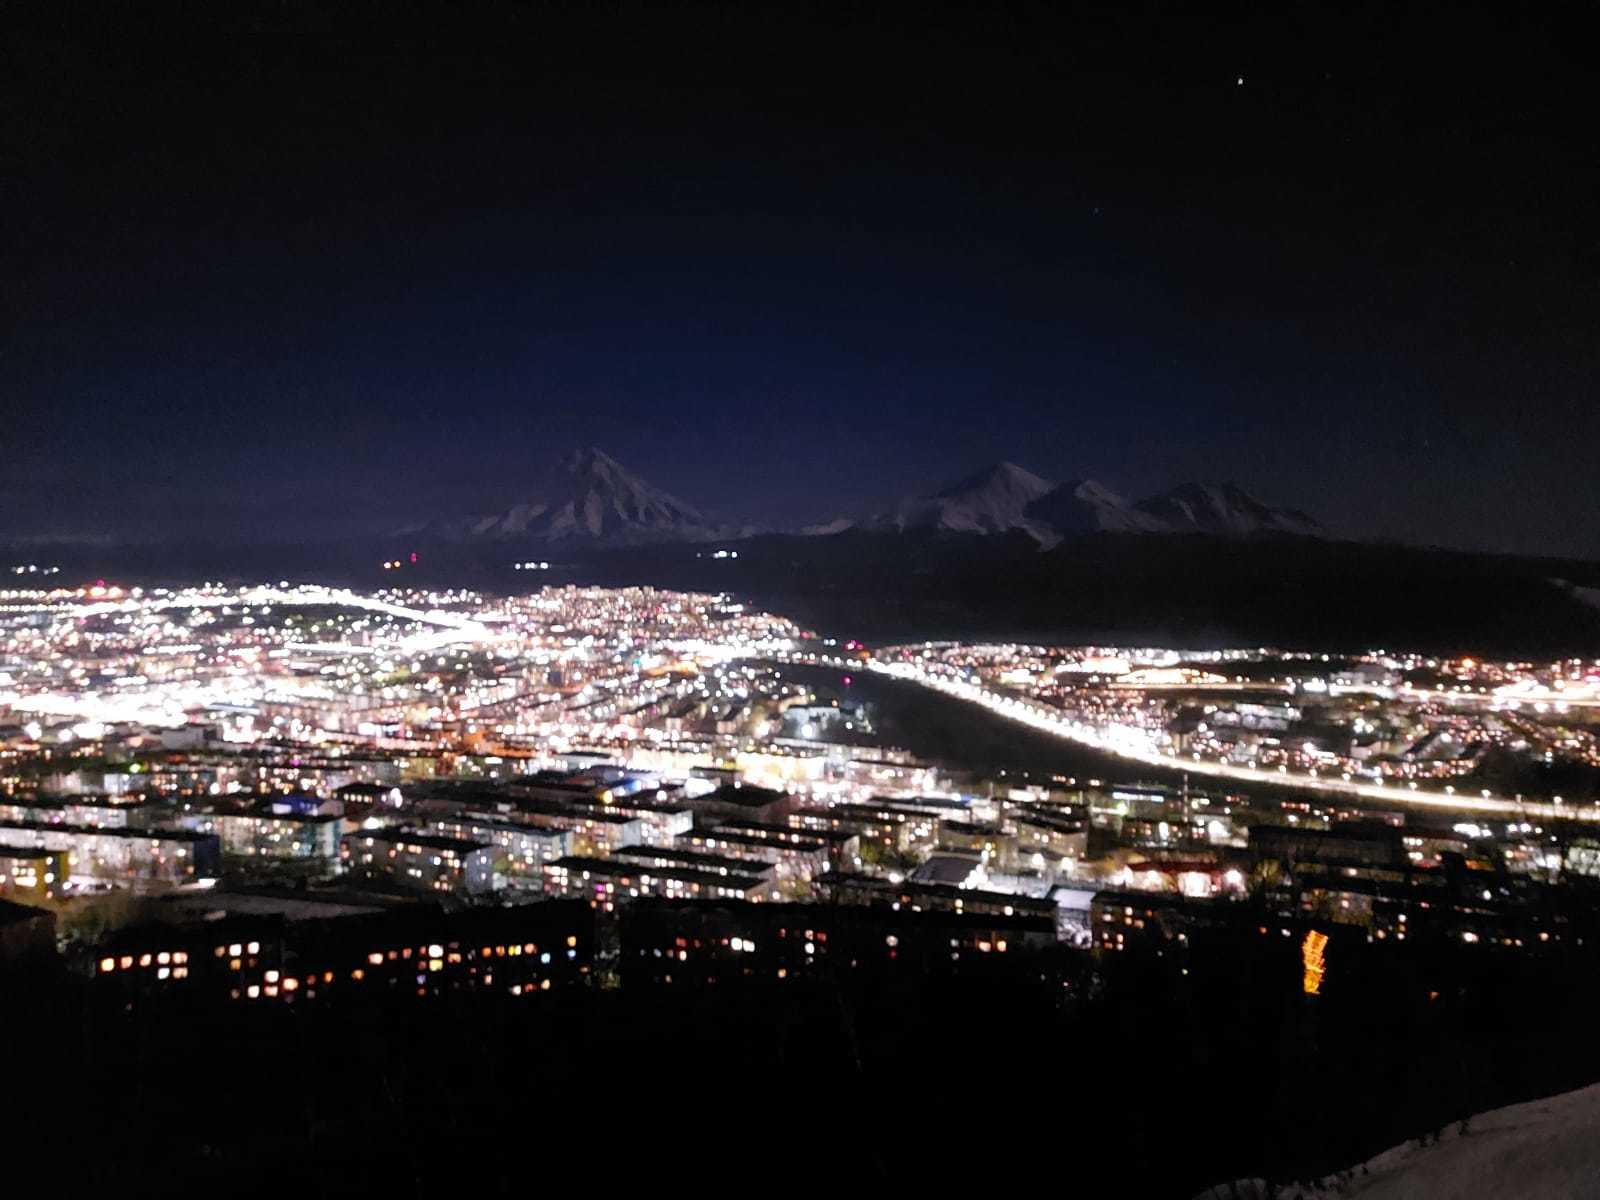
736 1041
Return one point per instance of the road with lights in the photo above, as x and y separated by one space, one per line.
1137 745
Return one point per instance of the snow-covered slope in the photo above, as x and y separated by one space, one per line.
828 528
994 500
1084 506
1006 497
1224 509
1545 1148
591 497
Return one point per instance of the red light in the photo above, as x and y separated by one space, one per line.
413 556
848 680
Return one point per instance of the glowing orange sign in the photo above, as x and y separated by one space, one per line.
1311 955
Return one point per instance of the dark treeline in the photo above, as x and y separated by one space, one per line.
1159 1071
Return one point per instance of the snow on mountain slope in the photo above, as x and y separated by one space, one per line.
994 500
1545 1148
827 528
592 497
1005 497
1084 506
1224 509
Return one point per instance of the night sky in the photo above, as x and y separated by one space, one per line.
269 278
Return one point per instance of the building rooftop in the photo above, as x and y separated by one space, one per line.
26 852
433 841
910 890
264 813
773 832
365 789
686 858
291 906
468 821
155 835
746 796
946 869
804 842
610 868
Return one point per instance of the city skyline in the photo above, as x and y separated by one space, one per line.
513 824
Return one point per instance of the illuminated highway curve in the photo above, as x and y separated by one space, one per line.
451 627
1132 744
299 596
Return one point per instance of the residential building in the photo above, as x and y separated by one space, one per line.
410 858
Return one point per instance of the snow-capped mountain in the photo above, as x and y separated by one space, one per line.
1007 497
993 500
1084 506
1226 510
590 497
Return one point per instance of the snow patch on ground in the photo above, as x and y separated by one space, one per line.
1544 1148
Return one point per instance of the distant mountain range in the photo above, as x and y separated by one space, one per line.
590 498
1000 555
1006 497
1227 510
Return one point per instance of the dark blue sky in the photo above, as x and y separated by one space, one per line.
274 278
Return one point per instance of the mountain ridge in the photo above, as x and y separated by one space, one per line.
1225 509
992 500
591 498
1004 497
